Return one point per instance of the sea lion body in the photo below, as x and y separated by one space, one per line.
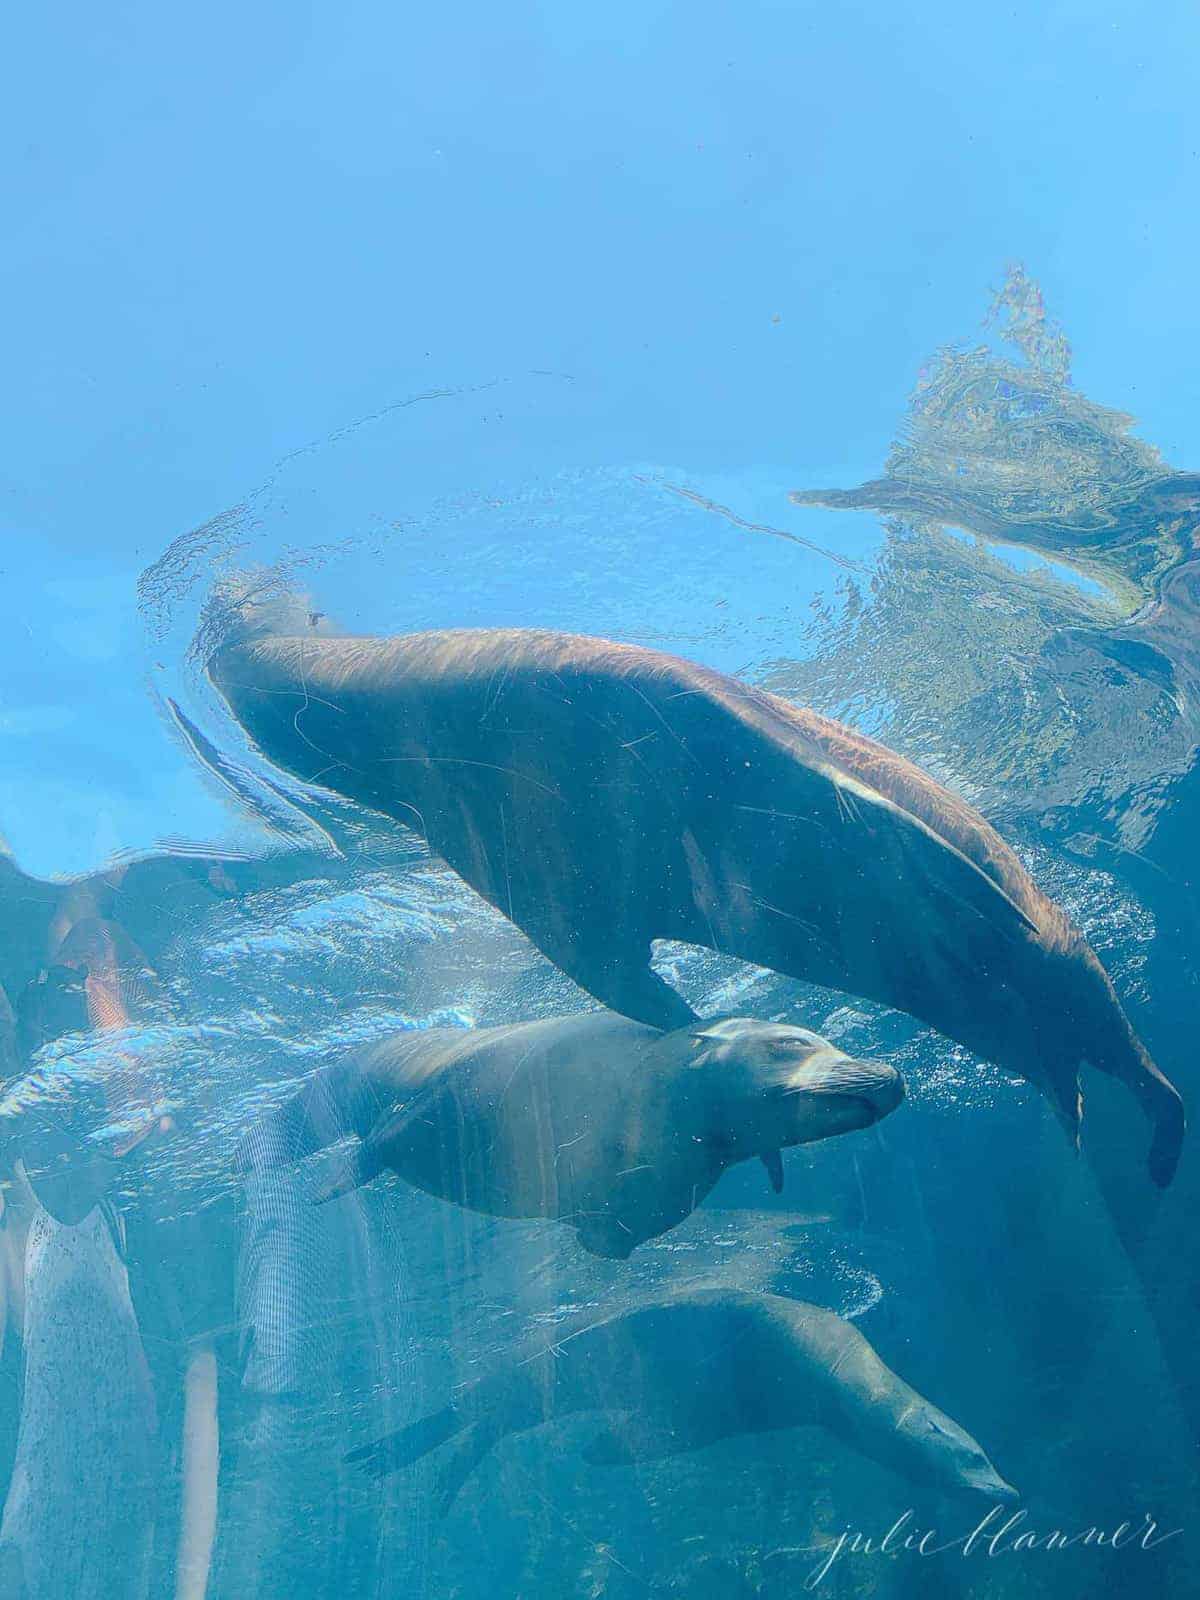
595 1120
696 1367
604 795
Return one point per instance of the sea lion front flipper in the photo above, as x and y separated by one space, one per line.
406 1445
463 1460
773 1161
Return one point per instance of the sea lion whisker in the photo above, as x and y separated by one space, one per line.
810 927
463 761
512 1077
254 688
642 695
785 816
332 767
567 1144
848 805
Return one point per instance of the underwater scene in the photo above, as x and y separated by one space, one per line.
599 924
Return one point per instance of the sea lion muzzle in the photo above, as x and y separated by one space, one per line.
875 1086
831 1094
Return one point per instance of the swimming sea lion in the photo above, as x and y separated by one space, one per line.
695 1367
603 795
598 1121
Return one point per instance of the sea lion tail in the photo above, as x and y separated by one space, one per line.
406 1445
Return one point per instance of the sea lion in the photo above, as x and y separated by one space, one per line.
694 1367
601 1122
603 795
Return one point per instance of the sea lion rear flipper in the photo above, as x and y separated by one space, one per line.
1169 1126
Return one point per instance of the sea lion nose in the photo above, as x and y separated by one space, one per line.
886 1088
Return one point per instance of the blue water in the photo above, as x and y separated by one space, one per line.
847 354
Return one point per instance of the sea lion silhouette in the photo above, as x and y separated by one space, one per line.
603 795
694 1367
610 1126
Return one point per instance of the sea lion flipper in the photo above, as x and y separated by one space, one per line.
463 1460
1169 1127
406 1445
773 1161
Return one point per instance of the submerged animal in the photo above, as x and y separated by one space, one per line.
682 1372
610 1126
604 795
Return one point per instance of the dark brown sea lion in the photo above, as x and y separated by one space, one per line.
610 1126
691 1369
603 795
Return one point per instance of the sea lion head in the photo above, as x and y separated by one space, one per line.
771 1085
929 1447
